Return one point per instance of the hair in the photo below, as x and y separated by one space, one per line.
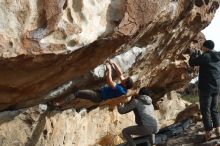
144 91
129 83
209 44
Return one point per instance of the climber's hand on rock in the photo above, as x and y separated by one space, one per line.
106 61
111 61
108 66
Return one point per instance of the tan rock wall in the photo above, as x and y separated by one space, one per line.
46 45
64 40
68 128
100 126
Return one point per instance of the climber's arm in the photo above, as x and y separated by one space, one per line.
125 108
118 70
110 82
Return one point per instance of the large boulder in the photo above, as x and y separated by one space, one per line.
45 44
50 48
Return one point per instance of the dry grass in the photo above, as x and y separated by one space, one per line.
110 140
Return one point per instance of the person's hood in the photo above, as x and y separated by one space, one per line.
215 55
145 99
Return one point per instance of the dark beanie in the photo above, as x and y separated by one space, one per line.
144 91
209 44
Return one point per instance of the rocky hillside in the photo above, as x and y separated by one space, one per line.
50 48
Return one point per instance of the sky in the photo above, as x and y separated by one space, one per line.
212 32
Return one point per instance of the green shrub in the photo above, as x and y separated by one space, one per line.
191 98
194 99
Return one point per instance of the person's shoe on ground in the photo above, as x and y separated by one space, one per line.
209 135
217 131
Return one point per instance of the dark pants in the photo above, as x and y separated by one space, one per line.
93 95
209 109
137 130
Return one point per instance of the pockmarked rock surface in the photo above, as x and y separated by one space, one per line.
46 44
51 48
169 107
99 127
35 126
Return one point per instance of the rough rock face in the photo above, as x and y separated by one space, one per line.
36 127
45 44
50 48
101 126
169 106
